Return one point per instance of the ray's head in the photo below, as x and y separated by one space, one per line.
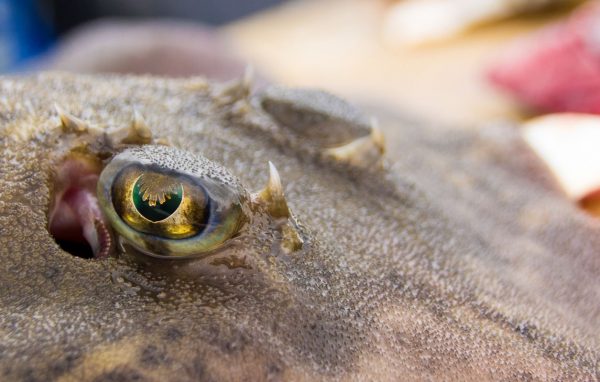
143 196
205 260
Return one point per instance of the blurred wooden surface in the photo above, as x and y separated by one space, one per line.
337 45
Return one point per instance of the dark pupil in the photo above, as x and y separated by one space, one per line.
159 211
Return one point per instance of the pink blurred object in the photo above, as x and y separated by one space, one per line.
558 69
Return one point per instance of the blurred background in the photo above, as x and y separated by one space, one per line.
461 63
430 58
29 27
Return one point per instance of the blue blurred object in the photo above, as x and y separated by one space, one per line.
25 31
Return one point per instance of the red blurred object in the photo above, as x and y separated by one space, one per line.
558 69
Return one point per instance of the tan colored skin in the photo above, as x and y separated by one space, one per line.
457 261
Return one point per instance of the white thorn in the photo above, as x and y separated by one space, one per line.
248 78
69 122
138 132
272 195
377 136
139 128
275 187
363 152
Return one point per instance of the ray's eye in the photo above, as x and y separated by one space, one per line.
184 208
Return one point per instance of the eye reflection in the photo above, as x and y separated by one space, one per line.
155 206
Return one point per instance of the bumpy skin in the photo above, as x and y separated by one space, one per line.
457 261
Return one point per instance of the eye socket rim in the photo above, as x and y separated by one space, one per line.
224 200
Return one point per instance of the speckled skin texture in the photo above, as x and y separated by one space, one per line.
458 261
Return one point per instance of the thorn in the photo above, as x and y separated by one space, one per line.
273 199
248 78
236 90
272 195
377 135
290 239
138 133
363 152
70 123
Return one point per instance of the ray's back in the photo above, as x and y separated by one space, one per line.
458 260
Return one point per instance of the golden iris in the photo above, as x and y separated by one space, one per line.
159 203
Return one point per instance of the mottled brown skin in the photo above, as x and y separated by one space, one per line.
459 260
